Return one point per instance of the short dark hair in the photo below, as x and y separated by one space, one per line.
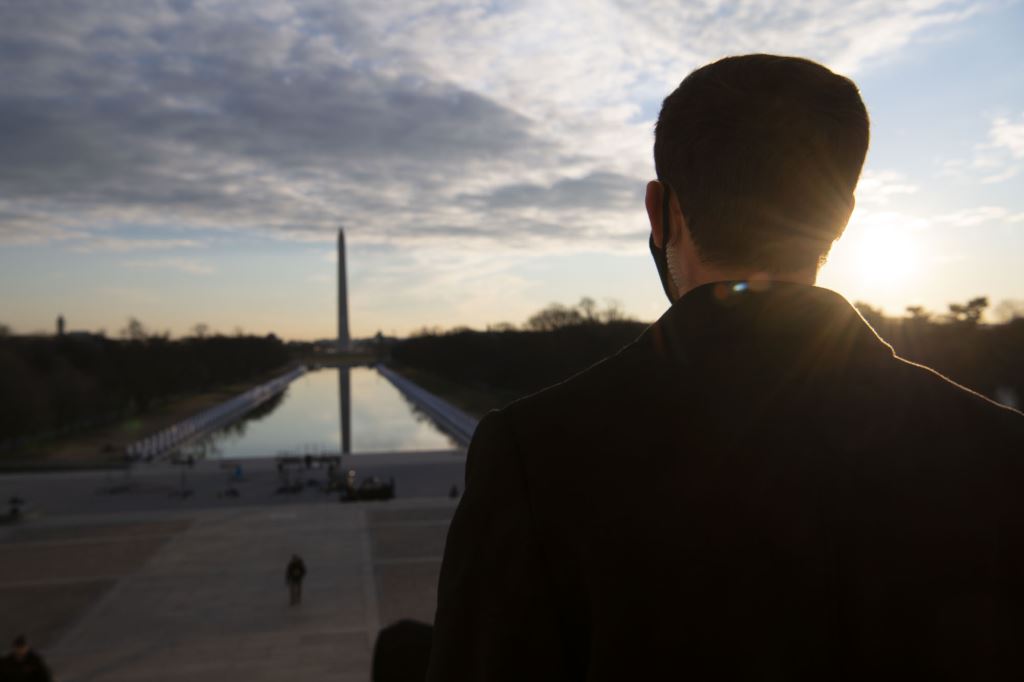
20 641
763 153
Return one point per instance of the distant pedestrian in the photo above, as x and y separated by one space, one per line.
293 576
23 664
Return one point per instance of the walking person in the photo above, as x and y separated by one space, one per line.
293 575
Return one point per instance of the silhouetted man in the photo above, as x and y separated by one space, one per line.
814 507
294 575
23 664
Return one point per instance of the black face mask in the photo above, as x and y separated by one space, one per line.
661 255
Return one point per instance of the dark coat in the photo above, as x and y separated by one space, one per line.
756 488
295 572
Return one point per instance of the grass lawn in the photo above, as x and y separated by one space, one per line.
104 446
474 400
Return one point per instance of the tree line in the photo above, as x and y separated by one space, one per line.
553 344
984 357
52 385
561 340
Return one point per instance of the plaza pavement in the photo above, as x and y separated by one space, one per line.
140 584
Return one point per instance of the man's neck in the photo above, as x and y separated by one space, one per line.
700 274
691 272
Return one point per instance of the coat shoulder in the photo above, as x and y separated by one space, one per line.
592 391
933 390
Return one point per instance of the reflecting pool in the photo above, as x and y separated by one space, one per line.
307 419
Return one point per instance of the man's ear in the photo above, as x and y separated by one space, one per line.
653 200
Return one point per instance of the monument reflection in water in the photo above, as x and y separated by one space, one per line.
345 403
373 416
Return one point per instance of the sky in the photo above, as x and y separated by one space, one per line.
190 161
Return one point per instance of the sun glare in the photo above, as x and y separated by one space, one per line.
886 256
879 259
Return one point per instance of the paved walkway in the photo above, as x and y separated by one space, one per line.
199 594
157 486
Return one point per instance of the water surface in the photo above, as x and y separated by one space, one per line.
306 418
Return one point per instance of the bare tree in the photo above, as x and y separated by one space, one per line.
917 313
969 313
134 330
1009 310
555 316
427 331
613 311
588 309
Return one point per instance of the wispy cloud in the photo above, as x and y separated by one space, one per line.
972 217
24 231
186 265
879 187
998 159
132 294
1009 135
93 244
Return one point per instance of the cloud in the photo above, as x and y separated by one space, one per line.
92 244
887 220
132 294
996 160
972 217
594 192
1001 157
186 265
23 229
1005 134
218 118
525 124
879 187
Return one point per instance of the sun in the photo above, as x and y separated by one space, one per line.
886 256
880 258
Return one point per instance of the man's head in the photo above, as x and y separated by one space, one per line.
761 155
20 647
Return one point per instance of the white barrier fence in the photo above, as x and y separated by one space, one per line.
172 437
454 421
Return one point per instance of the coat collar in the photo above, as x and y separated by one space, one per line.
778 316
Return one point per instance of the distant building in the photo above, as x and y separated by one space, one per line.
60 325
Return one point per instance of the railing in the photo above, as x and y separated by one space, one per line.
173 437
451 419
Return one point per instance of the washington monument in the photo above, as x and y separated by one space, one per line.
344 384
343 339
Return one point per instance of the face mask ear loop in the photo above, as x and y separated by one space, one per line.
661 255
666 224
666 236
